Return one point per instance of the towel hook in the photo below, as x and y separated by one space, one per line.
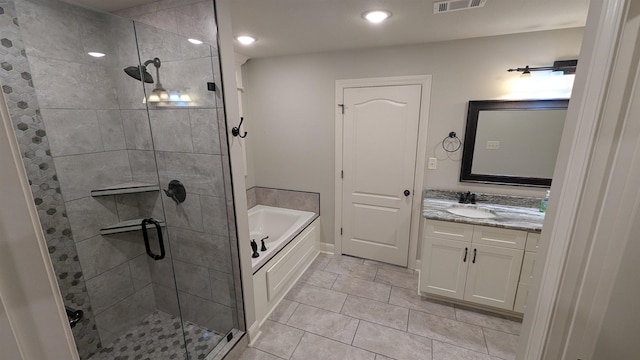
236 130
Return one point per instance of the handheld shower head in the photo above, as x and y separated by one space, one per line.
138 72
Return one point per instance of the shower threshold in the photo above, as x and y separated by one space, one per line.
159 337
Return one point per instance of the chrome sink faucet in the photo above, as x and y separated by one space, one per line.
467 198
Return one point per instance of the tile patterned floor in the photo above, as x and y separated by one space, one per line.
159 337
349 308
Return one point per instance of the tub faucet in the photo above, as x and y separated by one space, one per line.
263 247
254 247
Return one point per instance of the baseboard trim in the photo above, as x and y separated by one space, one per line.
327 248
254 333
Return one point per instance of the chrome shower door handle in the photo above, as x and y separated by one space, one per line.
145 235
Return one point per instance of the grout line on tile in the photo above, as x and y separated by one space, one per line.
484 337
408 318
355 332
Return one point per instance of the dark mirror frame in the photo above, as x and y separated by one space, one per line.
470 139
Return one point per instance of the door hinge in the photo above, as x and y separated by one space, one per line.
340 231
341 107
341 174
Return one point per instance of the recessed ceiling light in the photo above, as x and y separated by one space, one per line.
195 41
376 16
246 39
96 54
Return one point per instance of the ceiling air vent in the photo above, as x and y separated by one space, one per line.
455 5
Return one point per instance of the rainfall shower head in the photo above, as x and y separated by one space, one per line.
135 71
140 72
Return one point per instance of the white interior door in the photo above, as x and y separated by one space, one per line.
380 137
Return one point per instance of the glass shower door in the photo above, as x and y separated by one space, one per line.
185 116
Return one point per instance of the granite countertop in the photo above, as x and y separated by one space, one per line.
507 216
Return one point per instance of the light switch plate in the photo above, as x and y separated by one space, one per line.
433 163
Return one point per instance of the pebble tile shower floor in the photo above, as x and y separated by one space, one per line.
159 337
349 308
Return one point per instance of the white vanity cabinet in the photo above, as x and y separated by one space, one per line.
477 264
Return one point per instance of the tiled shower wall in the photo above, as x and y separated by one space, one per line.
18 87
97 127
81 113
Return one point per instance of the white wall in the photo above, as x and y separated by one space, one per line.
290 104
619 333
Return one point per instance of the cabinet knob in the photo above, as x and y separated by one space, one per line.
407 193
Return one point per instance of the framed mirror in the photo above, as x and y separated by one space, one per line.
512 142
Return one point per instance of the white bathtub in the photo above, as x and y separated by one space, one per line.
279 224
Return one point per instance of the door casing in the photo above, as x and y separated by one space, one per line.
425 82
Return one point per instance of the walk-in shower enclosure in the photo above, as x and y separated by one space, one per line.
101 147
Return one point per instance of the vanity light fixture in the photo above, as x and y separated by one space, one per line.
246 39
376 16
96 54
567 67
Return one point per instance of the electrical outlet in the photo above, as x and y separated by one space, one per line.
493 145
433 163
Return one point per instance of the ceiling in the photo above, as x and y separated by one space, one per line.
285 27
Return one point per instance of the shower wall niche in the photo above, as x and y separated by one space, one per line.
84 125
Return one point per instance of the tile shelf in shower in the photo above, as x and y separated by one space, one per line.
125 188
128 225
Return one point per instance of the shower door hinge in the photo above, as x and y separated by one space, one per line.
229 336
211 86
341 107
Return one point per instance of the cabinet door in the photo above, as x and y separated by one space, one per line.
444 267
493 276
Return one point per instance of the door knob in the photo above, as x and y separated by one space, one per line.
407 193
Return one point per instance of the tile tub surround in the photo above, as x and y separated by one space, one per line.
325 322
288 199
507 216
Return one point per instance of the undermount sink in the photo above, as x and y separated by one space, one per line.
472 212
